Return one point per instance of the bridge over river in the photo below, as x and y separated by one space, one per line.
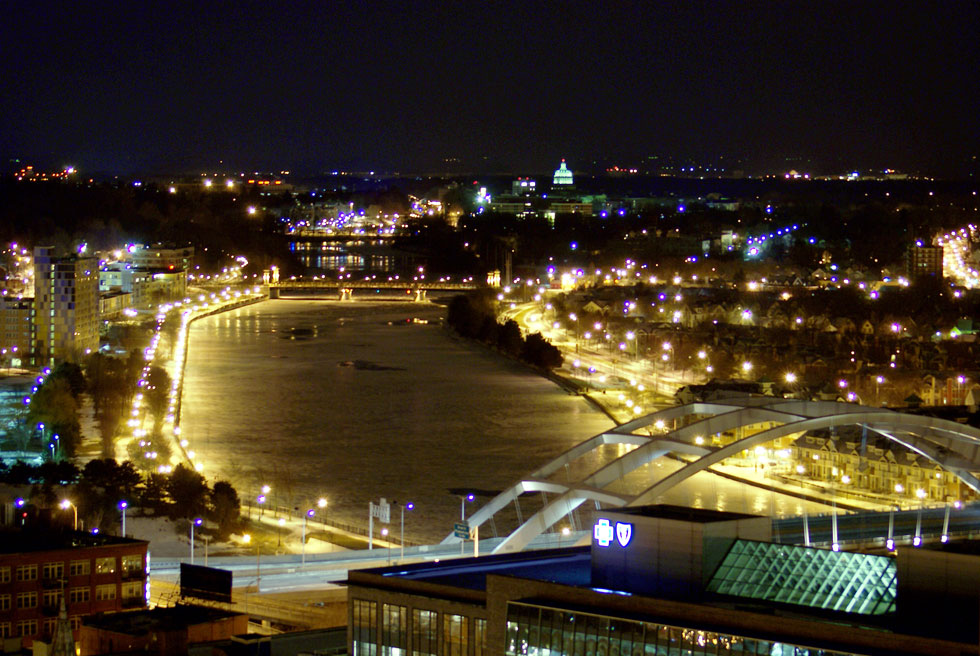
345 289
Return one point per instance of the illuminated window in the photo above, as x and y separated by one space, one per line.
425 636
105 592
365 628
132 564
105 565
132 590
394 630
455 635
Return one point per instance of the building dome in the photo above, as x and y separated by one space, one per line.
563 176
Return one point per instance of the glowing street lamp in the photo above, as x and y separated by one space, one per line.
65 504
122 506
196 522
407 506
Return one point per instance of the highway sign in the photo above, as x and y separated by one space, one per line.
382 511
462 530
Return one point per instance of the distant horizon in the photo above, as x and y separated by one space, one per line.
506 86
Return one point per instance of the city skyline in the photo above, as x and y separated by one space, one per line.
430 87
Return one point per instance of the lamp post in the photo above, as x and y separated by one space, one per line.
409 506
878 381
309 513
282 521
322 505
462 517
265 494
261 501
65 503
247 539
197 521
122 506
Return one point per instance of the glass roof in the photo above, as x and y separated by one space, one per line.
818 578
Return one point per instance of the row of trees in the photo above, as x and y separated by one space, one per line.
474 317
97 489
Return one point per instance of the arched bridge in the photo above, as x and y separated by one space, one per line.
678 431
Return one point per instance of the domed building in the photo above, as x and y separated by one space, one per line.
563 177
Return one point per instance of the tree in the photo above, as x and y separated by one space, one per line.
541 353
54 406
226 507
188 491
72 374
157 392
509 338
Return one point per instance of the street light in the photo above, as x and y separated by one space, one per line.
122 506
408 506
261 500
309 513
196 522
462 516
65 503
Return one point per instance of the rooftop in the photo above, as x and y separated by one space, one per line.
684 514
24 541
141 622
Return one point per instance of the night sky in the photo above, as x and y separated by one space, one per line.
171 87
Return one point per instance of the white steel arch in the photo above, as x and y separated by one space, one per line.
952 446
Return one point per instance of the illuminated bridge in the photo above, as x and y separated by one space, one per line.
346 288
598 469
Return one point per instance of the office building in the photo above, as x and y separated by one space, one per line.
670 580
66 306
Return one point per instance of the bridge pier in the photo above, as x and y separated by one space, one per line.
419 295
273 292
346 293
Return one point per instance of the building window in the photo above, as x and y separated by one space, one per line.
132 564
51 598
105 592
52 571
80 567
455 635
480 637
5 630
27 572
78 595
27 599
4 575
365 628
5 602
132 589
49 625
105 565
425 636
394 630
76 622
27 627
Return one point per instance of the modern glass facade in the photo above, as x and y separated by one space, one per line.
818 578
408 631
365 628
542 631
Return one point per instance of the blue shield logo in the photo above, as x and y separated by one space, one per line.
623 533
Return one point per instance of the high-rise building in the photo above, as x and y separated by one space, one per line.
924 261
66 306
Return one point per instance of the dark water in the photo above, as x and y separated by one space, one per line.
323 398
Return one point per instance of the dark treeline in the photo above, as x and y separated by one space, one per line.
474 317
97 489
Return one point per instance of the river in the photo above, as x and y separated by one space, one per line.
351 402
267 400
